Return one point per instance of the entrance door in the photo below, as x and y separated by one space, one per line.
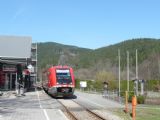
13 81
10 81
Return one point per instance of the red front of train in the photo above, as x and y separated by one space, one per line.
59 81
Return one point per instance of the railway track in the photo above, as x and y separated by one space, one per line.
77 111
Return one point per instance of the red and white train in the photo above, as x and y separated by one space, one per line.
59 81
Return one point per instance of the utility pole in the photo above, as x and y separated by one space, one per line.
119 62
127 71
159 66
136 82
136 65
36 65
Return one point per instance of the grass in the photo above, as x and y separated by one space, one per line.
119 112
146 112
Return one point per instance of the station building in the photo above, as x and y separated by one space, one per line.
16 51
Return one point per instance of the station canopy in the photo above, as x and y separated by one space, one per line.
15 48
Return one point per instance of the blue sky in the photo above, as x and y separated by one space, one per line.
83 23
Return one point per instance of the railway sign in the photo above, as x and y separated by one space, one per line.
83 84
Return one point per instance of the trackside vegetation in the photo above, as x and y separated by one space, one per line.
95 85
150 85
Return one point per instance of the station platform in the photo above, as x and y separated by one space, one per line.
34 105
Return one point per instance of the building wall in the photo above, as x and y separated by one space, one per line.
14 50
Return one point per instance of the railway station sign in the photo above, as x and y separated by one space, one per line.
9 68
83 84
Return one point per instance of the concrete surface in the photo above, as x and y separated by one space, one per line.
34 105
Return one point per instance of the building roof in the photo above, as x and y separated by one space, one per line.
15 47
13 61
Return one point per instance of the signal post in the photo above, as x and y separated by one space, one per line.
134 103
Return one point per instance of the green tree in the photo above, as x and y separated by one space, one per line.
108 77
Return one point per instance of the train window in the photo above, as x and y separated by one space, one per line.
63 77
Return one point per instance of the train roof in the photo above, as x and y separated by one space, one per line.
61 67
57 67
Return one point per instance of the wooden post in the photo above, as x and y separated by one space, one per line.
126 101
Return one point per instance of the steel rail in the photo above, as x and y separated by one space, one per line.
68 112
89 111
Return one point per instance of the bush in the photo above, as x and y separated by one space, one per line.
140 99
152 85
157 88
130 95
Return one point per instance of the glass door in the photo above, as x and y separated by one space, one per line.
10 81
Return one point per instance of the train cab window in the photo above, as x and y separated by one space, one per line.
63 77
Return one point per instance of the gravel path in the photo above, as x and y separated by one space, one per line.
98 104
97 100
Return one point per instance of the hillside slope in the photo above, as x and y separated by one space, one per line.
88 62
51 53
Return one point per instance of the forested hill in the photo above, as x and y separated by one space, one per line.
146 47
88 62
51 53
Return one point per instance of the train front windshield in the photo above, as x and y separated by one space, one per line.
63 77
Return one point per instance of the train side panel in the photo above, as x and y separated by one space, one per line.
72 76
51 77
